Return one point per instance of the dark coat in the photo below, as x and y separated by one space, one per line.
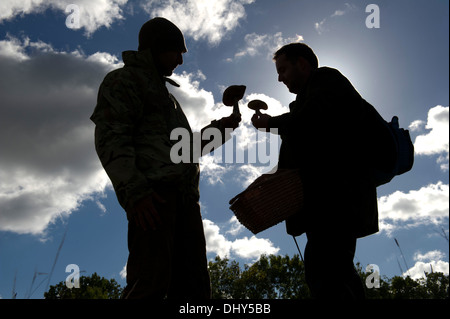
328 135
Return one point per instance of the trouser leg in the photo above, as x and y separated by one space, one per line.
171 261
329 269
150 254
190 273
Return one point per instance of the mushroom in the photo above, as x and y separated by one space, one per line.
232 96
257 105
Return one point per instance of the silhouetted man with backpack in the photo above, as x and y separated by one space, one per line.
331 137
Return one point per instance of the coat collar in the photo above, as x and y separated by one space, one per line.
144 60
140 59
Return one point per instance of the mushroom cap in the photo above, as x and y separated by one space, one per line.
257 105
233 94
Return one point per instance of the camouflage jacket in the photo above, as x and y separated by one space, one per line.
134 117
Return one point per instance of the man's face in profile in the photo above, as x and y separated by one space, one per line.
168 61
293 74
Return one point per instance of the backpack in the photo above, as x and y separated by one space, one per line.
402 155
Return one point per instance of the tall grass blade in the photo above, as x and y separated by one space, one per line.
56 259
403 256
14 293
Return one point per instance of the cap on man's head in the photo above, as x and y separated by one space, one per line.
159 34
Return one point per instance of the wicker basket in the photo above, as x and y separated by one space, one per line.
269 200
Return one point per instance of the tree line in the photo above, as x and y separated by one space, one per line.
271 277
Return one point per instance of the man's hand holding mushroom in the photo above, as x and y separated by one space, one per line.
231 97
259 120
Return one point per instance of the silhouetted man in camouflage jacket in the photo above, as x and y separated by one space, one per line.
134 117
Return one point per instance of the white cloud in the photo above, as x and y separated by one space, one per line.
427 263
338 13
197 104
248 174
253 247
235 227
93 13
431 255
417 126
48 165
100 206
215 241
436 141
212 169
428 205
257 44
123 272
247 248
320 26
201 19
13 49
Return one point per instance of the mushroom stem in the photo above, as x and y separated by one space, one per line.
236 110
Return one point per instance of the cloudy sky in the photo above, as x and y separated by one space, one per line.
54 55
